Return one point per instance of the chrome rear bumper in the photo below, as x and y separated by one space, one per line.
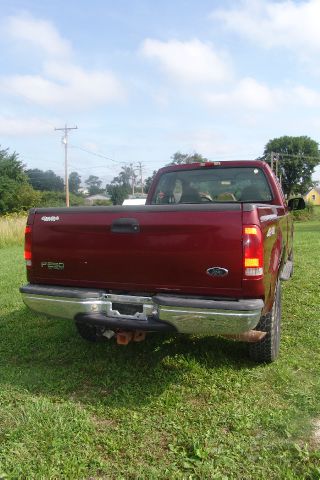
201 316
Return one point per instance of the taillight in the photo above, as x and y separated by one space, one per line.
252 251
27 245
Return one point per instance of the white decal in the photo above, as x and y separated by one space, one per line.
50 219
271 231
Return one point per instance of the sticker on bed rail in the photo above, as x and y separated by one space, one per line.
50 219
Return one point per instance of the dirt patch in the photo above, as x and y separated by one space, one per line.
315 440
103 424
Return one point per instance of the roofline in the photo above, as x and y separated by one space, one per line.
213 164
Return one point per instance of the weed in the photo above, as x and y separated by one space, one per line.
12 229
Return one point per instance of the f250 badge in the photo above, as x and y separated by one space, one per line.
53 265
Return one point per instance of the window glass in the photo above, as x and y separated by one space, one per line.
206 185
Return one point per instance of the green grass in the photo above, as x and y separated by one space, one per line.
12 229
172 407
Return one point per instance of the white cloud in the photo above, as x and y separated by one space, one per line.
59 83
12 126
192 62
289 24
37 33
207 141
306 96
66 86
248 94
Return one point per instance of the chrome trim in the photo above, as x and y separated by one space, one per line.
209 322
62 307
68 308
200 321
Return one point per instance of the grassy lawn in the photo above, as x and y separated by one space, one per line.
172 407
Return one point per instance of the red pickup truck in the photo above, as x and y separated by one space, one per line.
204 256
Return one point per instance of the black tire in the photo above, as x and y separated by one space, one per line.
90 332
267 350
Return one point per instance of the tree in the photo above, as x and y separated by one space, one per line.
11 167
45 180
17 196
148 181
121 186
118 193
127 176
74 182
298 157
94 185
16 193
179 158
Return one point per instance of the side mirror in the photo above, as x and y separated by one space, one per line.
296 203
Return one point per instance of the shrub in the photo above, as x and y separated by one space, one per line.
58 199
101 203
17 196
304 215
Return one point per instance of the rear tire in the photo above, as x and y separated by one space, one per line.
90 333
267 350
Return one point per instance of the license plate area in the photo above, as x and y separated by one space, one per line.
127 308
130 307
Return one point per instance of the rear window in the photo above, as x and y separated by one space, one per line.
236 184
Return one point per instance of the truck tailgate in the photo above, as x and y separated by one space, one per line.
142 249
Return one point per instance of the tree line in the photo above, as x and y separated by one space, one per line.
21 188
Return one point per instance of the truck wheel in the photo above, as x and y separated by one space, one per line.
90 332
267 350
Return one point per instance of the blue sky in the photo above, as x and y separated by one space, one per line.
144 79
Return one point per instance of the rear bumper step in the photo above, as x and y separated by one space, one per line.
161 312
111 323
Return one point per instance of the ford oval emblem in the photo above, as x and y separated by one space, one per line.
217 272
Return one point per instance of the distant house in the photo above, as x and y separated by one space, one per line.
313 196
83 190
96 199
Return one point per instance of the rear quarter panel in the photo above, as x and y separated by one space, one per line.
274 222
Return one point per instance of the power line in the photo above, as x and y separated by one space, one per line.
301 155
98 154
66 129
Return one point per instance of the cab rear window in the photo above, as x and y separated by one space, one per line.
236 184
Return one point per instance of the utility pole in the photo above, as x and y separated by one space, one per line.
66 129
132 176
141 179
